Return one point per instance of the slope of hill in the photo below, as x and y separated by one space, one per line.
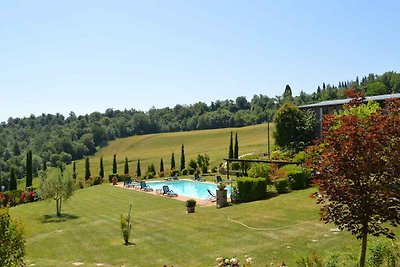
151 148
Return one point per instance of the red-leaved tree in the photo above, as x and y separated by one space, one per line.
357 170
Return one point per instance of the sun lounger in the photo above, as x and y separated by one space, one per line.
168 192
197 177
212 196
145 187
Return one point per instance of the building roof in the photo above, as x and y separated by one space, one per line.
345 101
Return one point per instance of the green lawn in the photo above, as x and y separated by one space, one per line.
151 148
287 228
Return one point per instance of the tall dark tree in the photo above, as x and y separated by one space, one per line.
287 94
13 179
44 165
138 171
182 158
236 151
87 169
161 166
173 162
101 170
115 171
126 168
230 155
74 174
29 168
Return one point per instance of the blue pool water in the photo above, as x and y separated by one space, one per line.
188 188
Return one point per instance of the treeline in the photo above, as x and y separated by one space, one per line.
56 140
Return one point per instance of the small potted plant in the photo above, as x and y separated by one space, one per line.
190 205
115 180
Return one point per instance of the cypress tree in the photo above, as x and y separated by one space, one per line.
161 166
172 162
87 169
13 180
44 166
138 171
152 168
29 168
115 164
236 151
126 168
101 171
74 170
231 148
182 158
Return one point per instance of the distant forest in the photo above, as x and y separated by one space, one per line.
56 140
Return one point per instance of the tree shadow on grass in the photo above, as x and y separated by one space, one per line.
56 219
129 244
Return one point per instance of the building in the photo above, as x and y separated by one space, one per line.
331 106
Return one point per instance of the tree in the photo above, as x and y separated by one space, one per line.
203 162
56 185
182 158
161 166
115 171
172 162
126 226
13 179
138 171
236 149
29 168
74 173
126 167
287 94
12 249
356 166
44 165
87 169
101 170
294 129
230 155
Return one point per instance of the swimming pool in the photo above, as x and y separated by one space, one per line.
188 188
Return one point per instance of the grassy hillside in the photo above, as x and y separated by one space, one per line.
151 148
282 228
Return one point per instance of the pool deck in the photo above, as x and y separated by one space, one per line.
201 202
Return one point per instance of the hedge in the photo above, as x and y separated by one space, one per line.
298 180
282 186
251 189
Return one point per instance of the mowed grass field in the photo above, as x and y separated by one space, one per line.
283 228
151 148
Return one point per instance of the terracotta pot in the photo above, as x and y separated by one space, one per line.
190 209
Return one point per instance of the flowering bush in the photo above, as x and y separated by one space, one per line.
233 262
28 196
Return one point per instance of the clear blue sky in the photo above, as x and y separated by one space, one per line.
85 56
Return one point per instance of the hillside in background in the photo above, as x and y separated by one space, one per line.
56 140
151 148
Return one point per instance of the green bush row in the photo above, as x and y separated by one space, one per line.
251 189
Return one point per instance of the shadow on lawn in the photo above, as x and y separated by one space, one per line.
56 219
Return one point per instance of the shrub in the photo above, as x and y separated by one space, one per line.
12 249
282 186
250 189
184 171
95 180
193 164
259 170
120 177
302 156
214 169
191 171
190 203
150 175
298 179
